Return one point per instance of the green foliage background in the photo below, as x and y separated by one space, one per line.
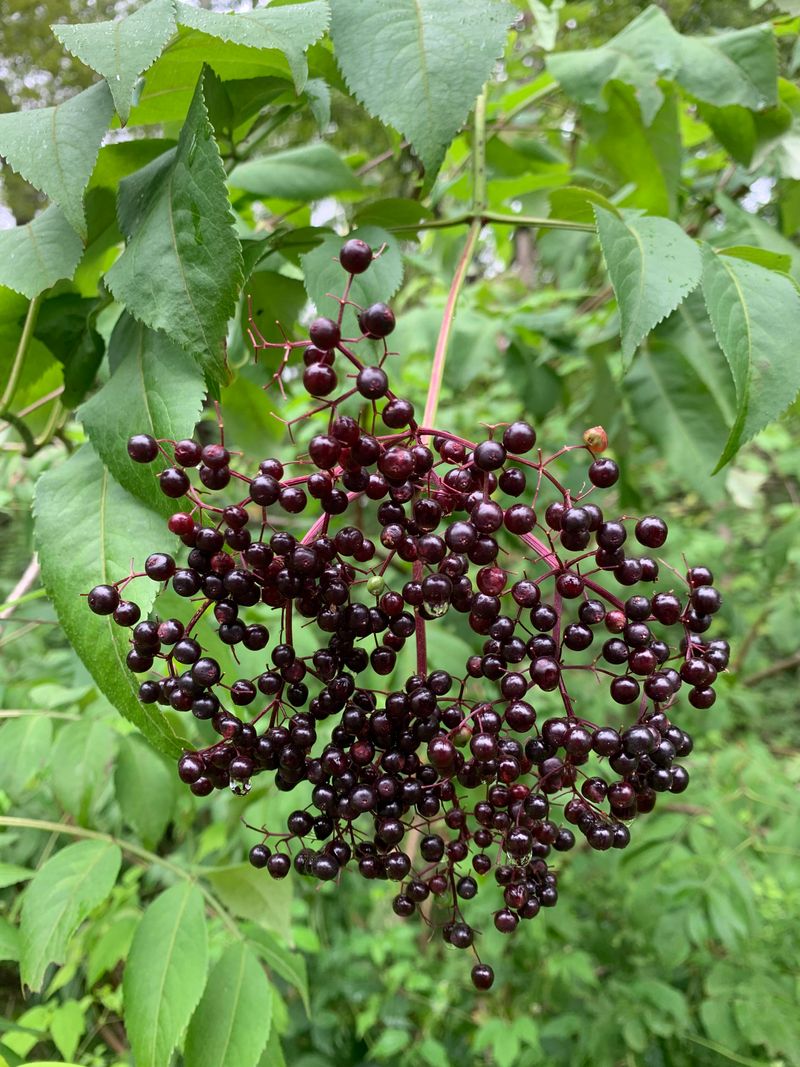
682 950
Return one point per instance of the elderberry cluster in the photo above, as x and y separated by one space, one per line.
415 774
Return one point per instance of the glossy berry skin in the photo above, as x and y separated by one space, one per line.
173 483
603 473
519 438
324 333
377 320
355 256
651 531
142 448
372 382
489 455
103 599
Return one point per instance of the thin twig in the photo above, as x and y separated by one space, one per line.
29 576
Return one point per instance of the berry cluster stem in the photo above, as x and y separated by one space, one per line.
468 251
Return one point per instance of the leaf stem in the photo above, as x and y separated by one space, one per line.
133 850
19 356
484 217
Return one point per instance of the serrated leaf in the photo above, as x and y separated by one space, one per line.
182 266
233 1019
290 29
652 265
37 255
737 67
55 148
87 529
24 748
305 173
155 387
323 274
70 885
140 775
290 966
675 409
122 49
755 313
434 55
165 973
80 761
248 894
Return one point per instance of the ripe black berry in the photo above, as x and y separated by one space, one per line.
142 448
355 256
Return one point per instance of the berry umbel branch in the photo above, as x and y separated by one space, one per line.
561 721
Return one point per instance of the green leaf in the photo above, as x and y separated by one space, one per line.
141 774
323 273
156 388
431 58
652 265
24 750
290 966
121 50
11 874
182 266
37 255
246 892
66 324
648 158
9 941
233 1020
755 313
112 946
87 529
67 1027
392 211
70 885
290 29
80 762
165 973
575 203
676 410
305 173
55 148
737 67
771 260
